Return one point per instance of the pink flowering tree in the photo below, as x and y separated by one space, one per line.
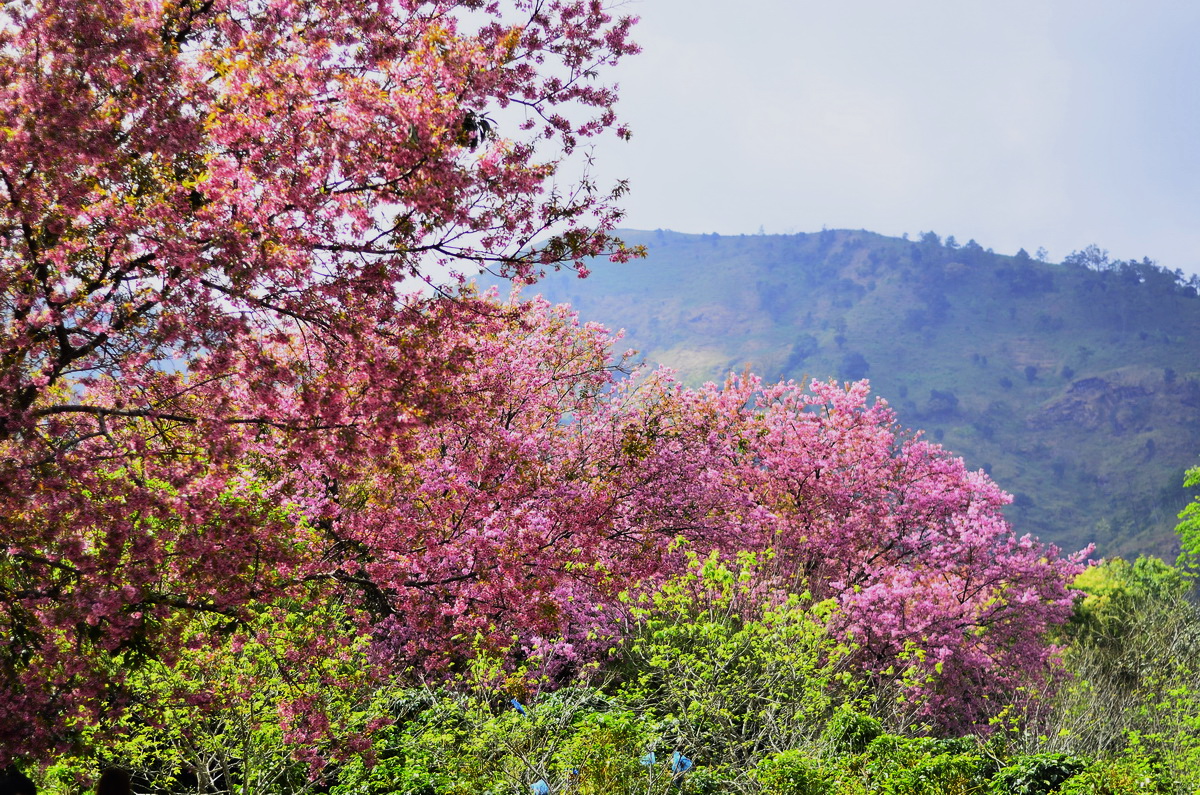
545 488
520 511
553 486
559 485
210 212
928 575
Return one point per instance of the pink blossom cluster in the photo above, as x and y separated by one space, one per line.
927 573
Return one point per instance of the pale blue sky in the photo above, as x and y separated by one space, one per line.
1022 123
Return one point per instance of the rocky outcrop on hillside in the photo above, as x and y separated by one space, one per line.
1100 404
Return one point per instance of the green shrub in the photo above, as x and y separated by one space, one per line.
706 780
943 774
475 744
897 765
1135 638
1134 685
850 732
730 671
793 773
601 755
1036 774
1128 775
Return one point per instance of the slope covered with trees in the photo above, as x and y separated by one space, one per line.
1074 385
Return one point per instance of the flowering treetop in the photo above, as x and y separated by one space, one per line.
194 181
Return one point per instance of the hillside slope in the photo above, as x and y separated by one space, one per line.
1076 386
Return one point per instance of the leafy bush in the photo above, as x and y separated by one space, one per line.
1134 682
602 754
225 716
793 773
940 774
1036 774
897 765
1189 528
731 672
708 780
460 744
1128 775
850 732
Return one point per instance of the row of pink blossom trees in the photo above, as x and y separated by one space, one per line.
216 394
522 510
563 486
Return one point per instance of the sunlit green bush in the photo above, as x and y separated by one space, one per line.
731 672
1133 680
793 773
849 731
1036 774
897 765
1127 775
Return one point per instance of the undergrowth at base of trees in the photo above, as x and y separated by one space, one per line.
721 687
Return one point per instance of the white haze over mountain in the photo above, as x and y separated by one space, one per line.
1023 123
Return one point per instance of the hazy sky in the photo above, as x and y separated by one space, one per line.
1019 123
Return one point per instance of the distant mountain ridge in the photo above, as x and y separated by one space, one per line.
1076 385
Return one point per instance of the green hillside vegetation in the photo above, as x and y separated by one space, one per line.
1075 385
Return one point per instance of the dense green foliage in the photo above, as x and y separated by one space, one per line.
1189 527
1133 652
1038 774
1076 385
744 683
